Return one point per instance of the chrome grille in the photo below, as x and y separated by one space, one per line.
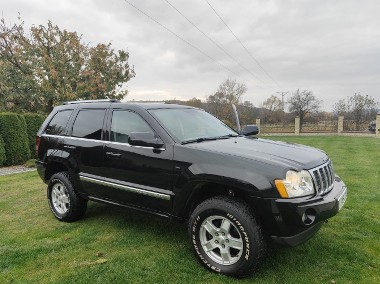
323 178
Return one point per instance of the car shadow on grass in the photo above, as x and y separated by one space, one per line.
281 264
122 217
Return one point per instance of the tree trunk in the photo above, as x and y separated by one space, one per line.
50 105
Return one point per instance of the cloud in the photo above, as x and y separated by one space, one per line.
330 47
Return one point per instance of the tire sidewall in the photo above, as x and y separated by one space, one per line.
54 180
245 233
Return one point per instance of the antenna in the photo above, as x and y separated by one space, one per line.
236 118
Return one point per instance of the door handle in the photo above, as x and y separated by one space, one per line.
69 147
113 154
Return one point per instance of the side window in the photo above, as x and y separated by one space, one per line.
88 124
58 124
124 122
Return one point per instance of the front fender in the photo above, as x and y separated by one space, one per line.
188 193
195 167
243 174
195 178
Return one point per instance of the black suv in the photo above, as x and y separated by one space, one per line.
236 191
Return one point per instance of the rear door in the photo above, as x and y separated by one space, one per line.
84 147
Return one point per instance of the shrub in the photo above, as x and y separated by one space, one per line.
2 151
13 131
33 123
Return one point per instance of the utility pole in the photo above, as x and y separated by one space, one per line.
283 94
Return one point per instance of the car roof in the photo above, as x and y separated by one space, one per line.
113 103
157 105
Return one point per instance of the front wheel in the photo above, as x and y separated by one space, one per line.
225 236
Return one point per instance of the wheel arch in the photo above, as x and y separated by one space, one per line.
204 190
53 168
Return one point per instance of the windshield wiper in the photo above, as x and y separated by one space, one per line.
201 139
230 135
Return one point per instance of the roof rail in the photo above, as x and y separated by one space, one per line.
92 101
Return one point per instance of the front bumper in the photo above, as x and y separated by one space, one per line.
298 219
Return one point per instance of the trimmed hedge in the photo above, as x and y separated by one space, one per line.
2 151
33 123
16 145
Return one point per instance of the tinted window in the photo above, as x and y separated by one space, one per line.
125 122
88 124
58 124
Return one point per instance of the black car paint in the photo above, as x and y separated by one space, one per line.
247 165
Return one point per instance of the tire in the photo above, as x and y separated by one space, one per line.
64 202
226 237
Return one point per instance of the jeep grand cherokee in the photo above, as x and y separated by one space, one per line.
236 192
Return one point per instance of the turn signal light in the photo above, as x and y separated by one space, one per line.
281 188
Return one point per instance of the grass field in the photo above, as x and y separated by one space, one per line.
115 245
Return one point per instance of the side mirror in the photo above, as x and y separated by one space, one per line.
250 130
145 139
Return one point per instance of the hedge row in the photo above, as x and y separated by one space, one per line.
17 137
33 123
2 151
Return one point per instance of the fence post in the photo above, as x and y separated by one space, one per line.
297 125
258 124
378 125
340 124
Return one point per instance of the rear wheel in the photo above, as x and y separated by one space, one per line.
225 236
64 202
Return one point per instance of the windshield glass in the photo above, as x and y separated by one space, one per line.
192 124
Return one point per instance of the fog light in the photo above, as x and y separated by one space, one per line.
308 217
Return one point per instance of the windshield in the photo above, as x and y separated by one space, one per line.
192 125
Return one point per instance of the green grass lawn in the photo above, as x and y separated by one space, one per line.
115 245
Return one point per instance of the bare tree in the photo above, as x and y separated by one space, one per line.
272 109
303 103
359 108
247 113
232 91
229 92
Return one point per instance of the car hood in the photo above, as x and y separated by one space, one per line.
283 154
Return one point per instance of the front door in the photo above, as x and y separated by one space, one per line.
138 176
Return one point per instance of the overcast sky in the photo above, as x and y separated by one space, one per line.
329 47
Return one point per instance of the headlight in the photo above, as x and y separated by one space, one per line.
295 184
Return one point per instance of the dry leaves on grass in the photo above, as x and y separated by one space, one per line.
91 263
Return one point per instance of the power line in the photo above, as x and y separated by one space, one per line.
245 48
181 38
214 42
